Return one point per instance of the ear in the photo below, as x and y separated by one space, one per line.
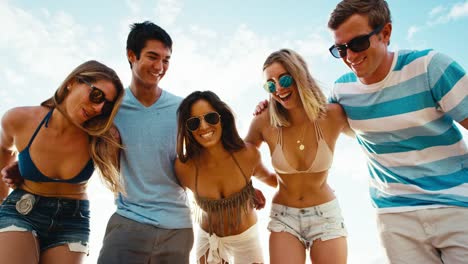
387 33
131 56
71 84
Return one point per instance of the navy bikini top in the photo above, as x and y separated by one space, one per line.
29 171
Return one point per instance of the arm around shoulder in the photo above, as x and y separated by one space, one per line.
337 113
260 171
254 136
184 172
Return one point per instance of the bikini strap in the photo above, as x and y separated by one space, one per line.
279 140
46 121
318 130
237 163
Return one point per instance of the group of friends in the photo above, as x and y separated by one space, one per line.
150 145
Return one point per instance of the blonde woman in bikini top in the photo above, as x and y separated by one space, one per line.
217 166
301 130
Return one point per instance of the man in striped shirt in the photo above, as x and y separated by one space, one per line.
403 107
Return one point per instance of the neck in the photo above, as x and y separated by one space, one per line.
62 123
382 70
214 154
298 116
147 95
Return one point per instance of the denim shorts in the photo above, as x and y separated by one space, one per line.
53 221
322 222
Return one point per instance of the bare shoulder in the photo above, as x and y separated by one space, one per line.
252 152
261 120
19 117
185 172
336 113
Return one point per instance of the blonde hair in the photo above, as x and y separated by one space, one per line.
313 99
102 141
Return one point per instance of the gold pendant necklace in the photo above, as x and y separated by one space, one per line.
301 141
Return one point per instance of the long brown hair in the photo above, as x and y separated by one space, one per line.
102 140
230 137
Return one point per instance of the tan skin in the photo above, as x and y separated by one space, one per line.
59 151
214 164
303 189
371 65
148 70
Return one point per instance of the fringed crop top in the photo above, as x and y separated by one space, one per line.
230 207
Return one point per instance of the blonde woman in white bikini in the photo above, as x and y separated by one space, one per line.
300 129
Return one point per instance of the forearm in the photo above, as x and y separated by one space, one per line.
270 180
3 191
6 157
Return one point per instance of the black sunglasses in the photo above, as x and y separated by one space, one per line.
357 44
97 96
193 123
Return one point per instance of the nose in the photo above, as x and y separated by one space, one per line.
351 55
158 65
98 107
203 124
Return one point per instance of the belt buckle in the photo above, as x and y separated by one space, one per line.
25 204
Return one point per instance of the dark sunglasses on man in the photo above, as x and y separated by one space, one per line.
97 96
357 44
193 123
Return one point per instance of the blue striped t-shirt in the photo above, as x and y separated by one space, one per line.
416 155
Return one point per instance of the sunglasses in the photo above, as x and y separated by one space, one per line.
285 81
97 96
194 122
357 44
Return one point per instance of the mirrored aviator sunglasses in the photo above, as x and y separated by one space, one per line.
285 81
193 123
357 44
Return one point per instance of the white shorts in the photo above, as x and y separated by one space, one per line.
436 235
242 248
322 222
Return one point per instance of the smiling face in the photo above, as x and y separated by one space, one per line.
78 104
370 65
207 135
288 97
150 67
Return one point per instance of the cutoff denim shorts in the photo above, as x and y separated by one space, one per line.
53 221
322 222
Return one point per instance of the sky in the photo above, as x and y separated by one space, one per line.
218 46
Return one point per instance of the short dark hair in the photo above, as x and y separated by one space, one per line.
376 10
142 32
230 137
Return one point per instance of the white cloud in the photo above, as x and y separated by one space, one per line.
441 15
167 11
459 10
411 31
49 45
437 10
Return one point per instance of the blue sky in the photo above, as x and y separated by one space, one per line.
220 46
